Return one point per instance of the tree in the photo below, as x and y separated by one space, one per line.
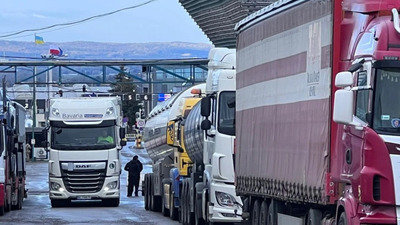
125 88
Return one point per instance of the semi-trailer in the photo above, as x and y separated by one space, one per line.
317 135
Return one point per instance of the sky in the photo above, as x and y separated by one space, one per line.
157 21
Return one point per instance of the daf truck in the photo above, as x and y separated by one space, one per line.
82 165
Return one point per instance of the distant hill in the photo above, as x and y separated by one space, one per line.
98 50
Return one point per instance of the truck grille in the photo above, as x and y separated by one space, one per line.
86 181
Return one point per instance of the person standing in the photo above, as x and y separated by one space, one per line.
134 167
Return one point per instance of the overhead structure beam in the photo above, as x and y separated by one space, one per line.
128 74
85 75
171 73
36 74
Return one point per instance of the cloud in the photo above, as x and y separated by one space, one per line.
39 16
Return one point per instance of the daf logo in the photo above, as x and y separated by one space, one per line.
82 166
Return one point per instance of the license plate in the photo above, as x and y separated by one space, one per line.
84 197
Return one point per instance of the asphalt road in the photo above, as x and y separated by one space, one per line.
36 208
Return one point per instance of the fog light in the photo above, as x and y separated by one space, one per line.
111 185
55 186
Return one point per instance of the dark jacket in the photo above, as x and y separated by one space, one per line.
134 167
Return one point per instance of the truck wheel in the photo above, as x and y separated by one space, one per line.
274 208
18 204
188 199
164 210
183 203
263 213
255 214
151 194
198 219
343 219
57 203
155 201
2 208
173 211
146 192
314 217
20 198
111 202
7 205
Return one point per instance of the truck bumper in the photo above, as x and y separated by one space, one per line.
104 193
220 213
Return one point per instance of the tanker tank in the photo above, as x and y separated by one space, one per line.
194 135
154 134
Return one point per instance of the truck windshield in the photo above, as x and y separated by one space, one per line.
386 115
226 121
82 137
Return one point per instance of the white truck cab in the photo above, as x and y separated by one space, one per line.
83 163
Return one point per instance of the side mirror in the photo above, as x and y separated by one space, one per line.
122 142
206 124
45 145
122 132
343 106
344 79
205 106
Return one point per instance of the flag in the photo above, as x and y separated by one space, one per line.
39 40
56 51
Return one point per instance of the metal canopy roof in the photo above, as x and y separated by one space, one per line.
217 18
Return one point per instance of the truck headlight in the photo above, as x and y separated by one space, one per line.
225 199
110 111
111 185
56 187
55 112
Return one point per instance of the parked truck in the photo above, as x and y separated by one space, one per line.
12 153
164 156
199 185
85 136
317 123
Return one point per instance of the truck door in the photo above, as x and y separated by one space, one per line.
354 136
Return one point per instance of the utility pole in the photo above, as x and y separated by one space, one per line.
34 115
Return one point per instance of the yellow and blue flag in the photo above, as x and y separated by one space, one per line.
39 40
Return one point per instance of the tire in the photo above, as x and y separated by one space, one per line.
57 203
263 218
274 208
173 211
190 215
18 205
314 217
151 194
198 218
146 192
155 201
111 202
164 210
20 199
7 204
342 219
255 213
183 204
